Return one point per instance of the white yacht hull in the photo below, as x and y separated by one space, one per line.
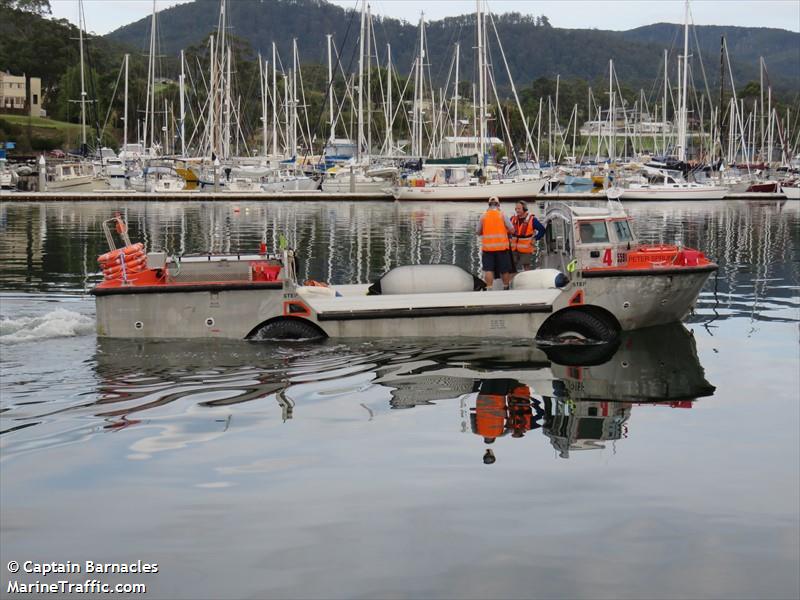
82 181
296 184
674 192
504 190
341 185
791 193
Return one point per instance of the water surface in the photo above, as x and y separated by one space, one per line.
359 468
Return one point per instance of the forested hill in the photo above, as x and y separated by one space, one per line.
533 48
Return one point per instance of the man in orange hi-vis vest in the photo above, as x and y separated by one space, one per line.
494 229
527 230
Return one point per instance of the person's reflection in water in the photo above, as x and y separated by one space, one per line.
504 406
524 412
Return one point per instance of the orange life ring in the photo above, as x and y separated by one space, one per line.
314 283
126 257
132 249
129 266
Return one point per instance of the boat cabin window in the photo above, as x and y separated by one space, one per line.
593 232
623 231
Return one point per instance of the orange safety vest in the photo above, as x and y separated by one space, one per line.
494 233
522 238
520 413
490 415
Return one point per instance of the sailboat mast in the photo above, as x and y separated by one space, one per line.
183 105
83 85
369 81
612 122
295 69
166 128
360 116
664 107
330 88
212 90
481 84
125 109
227 146
287 140
770 128
390 111
152 76
274 101
762 113
683 116
539 129
455 94
262 77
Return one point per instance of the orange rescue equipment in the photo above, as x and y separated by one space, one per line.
123 261
262 271
522 238
132 249
494 235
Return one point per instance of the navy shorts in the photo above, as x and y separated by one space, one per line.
497 262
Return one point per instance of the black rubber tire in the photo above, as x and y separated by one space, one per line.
590 326
288 329
590 355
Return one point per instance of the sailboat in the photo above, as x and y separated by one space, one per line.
440 182
671 185
351 170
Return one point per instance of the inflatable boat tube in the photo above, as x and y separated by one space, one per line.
426 279
539 279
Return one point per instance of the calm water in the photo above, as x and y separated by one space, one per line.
355 469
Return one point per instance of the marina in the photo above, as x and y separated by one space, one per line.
373 440
332 299
117 196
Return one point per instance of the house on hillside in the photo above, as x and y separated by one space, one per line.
20 94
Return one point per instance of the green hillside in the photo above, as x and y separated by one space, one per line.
533 48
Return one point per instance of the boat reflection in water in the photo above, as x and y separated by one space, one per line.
577 407
504 392
591 405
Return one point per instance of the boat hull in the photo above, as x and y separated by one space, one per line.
341 185
201 311
83 183
791 193
297 184
647 298
678 193
504 190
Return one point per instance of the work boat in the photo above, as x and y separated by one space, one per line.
592 287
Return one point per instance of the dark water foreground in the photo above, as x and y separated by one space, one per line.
360 468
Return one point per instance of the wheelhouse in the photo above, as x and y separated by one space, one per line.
595 236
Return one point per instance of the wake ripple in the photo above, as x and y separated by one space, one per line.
54 324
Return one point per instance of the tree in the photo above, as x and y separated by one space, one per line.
39 7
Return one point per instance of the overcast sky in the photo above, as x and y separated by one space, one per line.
103 16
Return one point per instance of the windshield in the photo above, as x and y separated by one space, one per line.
623 231
593 232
